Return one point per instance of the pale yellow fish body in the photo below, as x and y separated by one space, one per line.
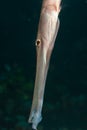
46 36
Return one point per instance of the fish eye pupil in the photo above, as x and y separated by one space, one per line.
38 42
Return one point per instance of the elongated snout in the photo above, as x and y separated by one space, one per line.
41 74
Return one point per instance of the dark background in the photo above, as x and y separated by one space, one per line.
65 105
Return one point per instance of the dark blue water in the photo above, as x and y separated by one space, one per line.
65 103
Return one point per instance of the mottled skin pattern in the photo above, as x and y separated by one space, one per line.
47 32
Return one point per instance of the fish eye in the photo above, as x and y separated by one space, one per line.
38 42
